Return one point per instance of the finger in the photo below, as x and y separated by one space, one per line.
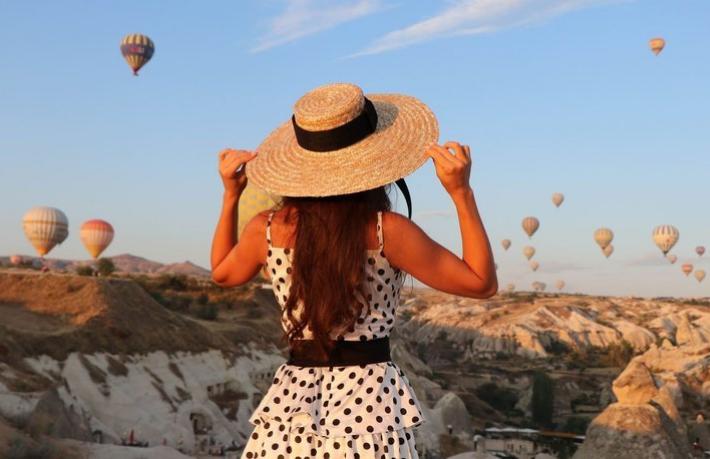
440 155
455 147
455 158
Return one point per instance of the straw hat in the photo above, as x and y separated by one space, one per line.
340 141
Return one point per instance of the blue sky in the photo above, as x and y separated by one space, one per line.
552 95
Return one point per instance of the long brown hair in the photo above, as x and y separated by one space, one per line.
328 261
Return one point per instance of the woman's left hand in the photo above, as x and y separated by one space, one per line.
231 169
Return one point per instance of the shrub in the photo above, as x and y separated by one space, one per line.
85 270
23 449
576 425
203 298
617 354
207 312
105 267
176 282
542 399
500 398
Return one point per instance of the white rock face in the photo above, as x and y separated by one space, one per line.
159 392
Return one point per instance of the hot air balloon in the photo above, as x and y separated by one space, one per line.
137 50
534 265
528 251
699 275
603 237
560 284
558 199
608 250
657 44
700 250
539 286
45 227
15 260
530 225
665 237
687 268
510 287
672 258
253 201
505 243
96 235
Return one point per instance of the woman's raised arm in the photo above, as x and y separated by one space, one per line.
410 249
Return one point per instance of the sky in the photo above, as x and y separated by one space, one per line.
551 95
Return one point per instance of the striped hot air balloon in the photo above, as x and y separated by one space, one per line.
252 201
505 243
530 225
528 251
657 44
137 50
558 199
96 235
699 275
45 227
687 268
665 237
603 237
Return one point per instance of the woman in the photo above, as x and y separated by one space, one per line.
337 258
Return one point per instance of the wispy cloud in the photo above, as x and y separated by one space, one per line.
472 17
430 214
301 18
656 259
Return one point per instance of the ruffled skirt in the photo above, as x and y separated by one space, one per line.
279 440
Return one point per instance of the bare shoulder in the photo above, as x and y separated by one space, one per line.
399 231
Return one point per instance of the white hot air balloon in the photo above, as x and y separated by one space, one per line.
558 199
603 237
608 250
665 237
699 275
528 252
534 265
505 243
45 227
560 284
672 258
530 225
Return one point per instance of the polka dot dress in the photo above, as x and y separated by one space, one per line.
363 411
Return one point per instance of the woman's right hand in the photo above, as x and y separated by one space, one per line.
231 169
453 166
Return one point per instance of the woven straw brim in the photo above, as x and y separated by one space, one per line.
406 128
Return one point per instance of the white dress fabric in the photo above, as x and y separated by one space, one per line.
360 411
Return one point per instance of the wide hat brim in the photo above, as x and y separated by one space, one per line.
406 128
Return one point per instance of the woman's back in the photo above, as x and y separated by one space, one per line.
380 289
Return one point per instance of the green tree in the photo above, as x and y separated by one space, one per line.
543 399
105 267
85 270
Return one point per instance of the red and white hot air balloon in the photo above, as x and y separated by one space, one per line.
530 225
687 268
96 235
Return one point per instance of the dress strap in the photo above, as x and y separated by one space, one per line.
268 228
380 236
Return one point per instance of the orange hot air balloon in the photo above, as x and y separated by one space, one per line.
96 235
15 260
528 251
699 275
687 268
530 225
603 237
657 44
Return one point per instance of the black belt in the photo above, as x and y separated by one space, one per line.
305 353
